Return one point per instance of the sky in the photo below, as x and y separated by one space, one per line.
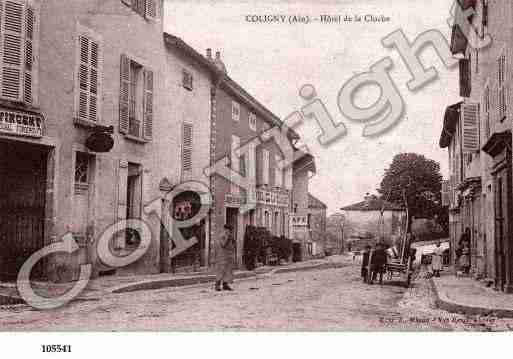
272 61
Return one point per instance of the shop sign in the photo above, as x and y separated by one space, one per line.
299 221
272 198
21 124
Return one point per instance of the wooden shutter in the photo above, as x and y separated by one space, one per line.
149 79
88 79
124 93
265 167
278 174
446 188
151 9
470 127
502 93
465 86
13 50
187 143
30 23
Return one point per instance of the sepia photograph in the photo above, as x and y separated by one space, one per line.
250 166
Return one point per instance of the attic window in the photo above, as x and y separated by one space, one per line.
187 80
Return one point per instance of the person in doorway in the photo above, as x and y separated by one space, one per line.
365 263
464 260
378 262
436 260
225 253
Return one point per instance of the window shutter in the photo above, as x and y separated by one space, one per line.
470 127
124 94
30 23
464 78
265 167
151 9
149 79
13 50
187 143
88 79
446 187
502 89
278 176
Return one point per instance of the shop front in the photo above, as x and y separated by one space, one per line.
26 178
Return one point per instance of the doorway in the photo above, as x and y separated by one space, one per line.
500 229
23 177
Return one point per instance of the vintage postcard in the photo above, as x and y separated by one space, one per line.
255 166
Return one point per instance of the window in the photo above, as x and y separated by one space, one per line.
18 38
267 222
187 146
136 99
88 78
234 162
145 8
278 177
265 167
187 80
82 170
252 121
486 111
235 111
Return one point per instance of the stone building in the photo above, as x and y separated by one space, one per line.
373 218
76 78
477 133
240 123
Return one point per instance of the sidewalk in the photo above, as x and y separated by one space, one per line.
102 286
467 296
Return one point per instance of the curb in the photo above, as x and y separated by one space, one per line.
6 300
442 302
181 282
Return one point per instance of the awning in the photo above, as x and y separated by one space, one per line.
451 118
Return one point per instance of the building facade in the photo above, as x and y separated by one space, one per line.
477 133
303 169
239 127
77 78
374 219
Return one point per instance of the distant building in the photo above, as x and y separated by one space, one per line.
373 218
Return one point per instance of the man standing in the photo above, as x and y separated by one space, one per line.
436 260
225 253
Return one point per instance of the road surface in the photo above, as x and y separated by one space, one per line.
320 300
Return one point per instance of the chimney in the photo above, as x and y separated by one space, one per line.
209 54
219 63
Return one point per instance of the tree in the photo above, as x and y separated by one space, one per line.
415 182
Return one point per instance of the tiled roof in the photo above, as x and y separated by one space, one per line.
373 204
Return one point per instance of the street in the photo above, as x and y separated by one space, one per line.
330 299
